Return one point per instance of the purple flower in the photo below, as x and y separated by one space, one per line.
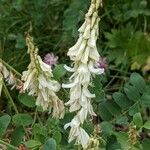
50 59
102 63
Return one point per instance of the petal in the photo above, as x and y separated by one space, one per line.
92 40
81 50
84 138
85 55
94 17
91 9
69 68
95 70
87 93
67 125
82 114
70 85
87 32
73 50
94 54
82 28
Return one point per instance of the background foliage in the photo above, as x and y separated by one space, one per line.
122 95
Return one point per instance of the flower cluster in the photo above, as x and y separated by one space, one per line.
84 55
51 59
38 81
9 77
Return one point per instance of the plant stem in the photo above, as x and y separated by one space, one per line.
13 104
145 24
8 145
11 68
10 98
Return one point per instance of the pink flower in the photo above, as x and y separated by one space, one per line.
102 63
50 59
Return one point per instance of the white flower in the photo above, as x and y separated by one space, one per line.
77 133
9 77
84 55
39 82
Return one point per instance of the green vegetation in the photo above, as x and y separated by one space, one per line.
122 101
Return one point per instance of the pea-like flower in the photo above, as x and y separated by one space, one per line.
84 55
39 82
9 77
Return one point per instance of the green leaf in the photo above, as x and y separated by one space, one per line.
27 100
147 125
50 144
131 92
138 82
59 71
32 144
40 132
22 119
137 119
122 138
97 89
113 108
39 129
146 144
145 99
112 143
4 122
121 100
57 136
134 109
103 112
122 120
17 136
107 128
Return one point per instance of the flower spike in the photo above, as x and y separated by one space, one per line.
39 82
84 55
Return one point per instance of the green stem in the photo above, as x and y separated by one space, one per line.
13 104
145 24
8 145
10 98
111 80
126 111
11 68
35 117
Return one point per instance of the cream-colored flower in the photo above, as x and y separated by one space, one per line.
39 82
84 55
8 77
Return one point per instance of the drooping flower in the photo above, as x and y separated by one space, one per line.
84 55
51 59
39 82
9 77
